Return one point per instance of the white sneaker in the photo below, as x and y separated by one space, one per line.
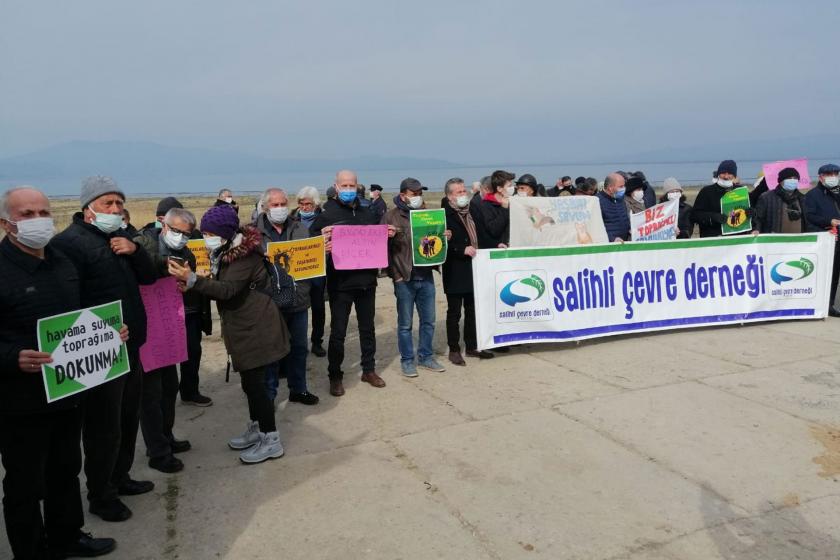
249 438
269 447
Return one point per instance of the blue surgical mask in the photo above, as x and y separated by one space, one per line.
619 194
306 215
790 184
107 223
347 197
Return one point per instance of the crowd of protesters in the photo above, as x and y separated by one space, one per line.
100 258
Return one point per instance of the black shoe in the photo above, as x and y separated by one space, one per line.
180 445
480 354
166 464
112 510
135 487
501 350
197 400
833 312
318 350
304 398
84 547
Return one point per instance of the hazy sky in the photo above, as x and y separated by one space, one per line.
467 81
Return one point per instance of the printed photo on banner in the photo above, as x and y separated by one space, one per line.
85 347
359 247
202 257
301 259
734 206
556 222
771 172
428 241
551 294
166 332
656 223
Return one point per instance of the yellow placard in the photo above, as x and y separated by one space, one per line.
202 257
302 259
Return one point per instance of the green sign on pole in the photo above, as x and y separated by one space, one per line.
85 347
428 242
734 206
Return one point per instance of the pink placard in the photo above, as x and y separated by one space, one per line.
771 172
358 247
166 334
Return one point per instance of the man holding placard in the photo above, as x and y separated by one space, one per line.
720 208
414 285
349 287
111 267
39 441
276 227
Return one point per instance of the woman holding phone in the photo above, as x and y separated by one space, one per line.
252 329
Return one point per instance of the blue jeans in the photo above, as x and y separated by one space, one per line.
294 364
422 294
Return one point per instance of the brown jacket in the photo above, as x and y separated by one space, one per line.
400 262
254 333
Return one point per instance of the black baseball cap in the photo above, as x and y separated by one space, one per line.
411 184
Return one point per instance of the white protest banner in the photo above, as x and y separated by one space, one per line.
86 349
571 293
555 222
656 223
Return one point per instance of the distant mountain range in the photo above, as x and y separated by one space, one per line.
150 160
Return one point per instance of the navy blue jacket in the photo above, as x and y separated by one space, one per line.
616 219
821 206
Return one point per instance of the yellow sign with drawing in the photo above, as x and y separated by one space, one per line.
302 259
202 257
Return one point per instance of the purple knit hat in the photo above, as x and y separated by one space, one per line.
221 220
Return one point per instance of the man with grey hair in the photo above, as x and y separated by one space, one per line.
613 210
39 441
111 266
226 198
275 224
160 386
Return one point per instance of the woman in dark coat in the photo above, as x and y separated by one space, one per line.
252 329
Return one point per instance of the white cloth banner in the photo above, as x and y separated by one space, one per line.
656 223
553 222
571 293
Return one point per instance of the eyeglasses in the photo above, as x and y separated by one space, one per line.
176 230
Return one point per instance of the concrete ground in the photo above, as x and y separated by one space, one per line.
689 445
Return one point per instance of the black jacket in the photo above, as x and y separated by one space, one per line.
706 212
767 214
107 277
684 223
457 269
379 207
335 213
30 289
821 206
292 231
492 222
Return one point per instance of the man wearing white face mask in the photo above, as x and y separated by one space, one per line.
706 212
111 267
160 386
822 213
413 285
39 442
457 272
275 224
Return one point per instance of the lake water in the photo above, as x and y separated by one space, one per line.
688 173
